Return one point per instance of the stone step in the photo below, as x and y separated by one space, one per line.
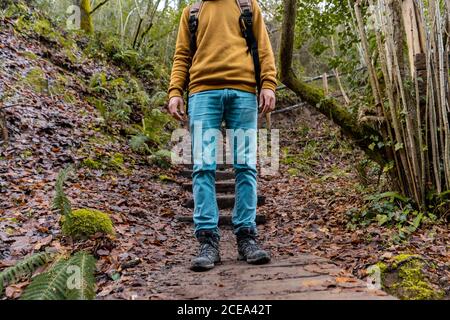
220 174
223 219
221 186
225 202
221 166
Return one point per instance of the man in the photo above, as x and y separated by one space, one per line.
222 86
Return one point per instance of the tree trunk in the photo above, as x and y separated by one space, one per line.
86 23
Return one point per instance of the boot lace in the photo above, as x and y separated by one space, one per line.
207 250
249 245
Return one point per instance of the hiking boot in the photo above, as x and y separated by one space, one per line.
209 251
249 249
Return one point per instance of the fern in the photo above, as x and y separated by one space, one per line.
98 83
50 285
158 99
153 126
138 144
86 286
69 278
60 202
24 269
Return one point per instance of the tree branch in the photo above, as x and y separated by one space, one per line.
98 6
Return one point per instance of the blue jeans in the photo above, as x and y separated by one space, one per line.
207 110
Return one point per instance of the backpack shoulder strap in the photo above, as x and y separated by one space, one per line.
195 8
194 12
246 24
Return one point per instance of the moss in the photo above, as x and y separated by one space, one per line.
404 277
30 55
92 164
26 154
86 19
413 284
166 178
382 266
86 222
399 259
69 97
36 79
116 161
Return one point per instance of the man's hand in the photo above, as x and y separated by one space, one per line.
176 108
266 101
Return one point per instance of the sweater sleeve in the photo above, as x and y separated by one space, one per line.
181 58
266 56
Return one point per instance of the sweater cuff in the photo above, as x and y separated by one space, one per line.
269 85
174 92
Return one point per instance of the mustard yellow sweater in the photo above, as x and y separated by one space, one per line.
222 59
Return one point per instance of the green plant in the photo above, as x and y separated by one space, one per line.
24 269
304 161
37 80
138 144
116 161
50 285
119 108
92 164
99 83
60 201
85 288
162 158
67 279
83 223
388 209
153 126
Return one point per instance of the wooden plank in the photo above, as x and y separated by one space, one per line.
226 287
287 285
225 202
276 273
337 294
302 277
223 219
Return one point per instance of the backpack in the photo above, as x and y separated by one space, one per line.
246 24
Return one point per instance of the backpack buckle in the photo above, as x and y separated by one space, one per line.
246 17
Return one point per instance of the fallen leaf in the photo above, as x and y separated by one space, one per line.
43 242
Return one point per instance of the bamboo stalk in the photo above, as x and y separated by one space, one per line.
336 73
365 46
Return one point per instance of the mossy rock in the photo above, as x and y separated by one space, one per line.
404 276
83 223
